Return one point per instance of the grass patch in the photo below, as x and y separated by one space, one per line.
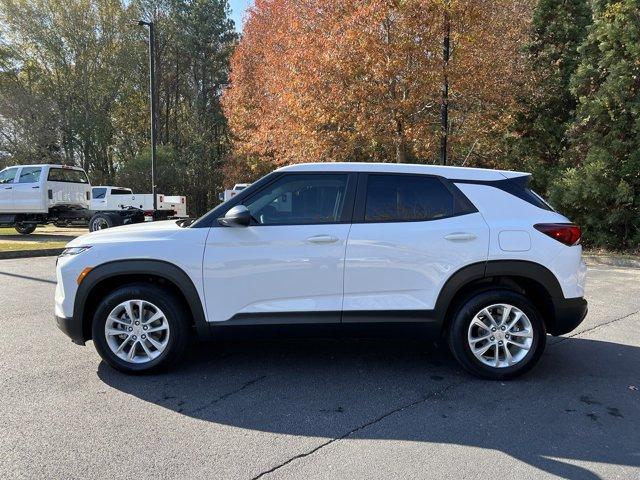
15 246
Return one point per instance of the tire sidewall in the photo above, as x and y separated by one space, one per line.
458 336
163 299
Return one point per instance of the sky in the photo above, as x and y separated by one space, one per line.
238 7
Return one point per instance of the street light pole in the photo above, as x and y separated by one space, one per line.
152 98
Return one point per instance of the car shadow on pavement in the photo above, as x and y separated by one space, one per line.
578 405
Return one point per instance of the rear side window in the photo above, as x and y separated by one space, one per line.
99 193
30 175
8 175
407 198
120 191
67 175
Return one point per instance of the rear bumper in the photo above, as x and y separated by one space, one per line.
71 328
568 313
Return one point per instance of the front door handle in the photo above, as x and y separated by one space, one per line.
36 186
8 188
460 237
320 239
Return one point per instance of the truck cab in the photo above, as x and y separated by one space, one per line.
39 188
33 195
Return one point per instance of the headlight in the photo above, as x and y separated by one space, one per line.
74 251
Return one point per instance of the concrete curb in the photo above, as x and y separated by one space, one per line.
612 260
45 252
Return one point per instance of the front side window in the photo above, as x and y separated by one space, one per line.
299 199
67 175
406 198
8 175
30 175
99 193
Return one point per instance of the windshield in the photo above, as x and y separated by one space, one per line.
67 175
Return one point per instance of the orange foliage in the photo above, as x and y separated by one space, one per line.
342 80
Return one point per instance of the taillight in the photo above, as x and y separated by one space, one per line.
566 233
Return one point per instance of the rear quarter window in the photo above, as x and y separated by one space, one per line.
407 198
67 175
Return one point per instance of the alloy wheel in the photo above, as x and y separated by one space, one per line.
137 331
500 335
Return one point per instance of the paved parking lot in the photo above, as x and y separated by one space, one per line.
318 409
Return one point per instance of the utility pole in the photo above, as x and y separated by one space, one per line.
444 103
152 98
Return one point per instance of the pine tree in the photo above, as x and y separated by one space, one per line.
602 187
539 134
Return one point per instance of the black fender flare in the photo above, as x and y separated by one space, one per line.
494 268
159 268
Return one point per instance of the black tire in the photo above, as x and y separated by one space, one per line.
174 311
101 221
459 329
25 228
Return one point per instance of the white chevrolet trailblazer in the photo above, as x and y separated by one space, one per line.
471 255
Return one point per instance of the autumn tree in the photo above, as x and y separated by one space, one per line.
355 80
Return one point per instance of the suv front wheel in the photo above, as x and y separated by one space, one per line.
140 328
497 335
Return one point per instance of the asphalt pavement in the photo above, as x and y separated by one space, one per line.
318 408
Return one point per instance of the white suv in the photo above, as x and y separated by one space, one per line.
469 254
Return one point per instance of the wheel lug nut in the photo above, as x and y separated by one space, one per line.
134 337
507 336
145 327
503 328
144 336
493 329
137 323
492 338
500 342
130 329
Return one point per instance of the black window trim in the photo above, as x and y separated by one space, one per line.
211 219
516 186
459 198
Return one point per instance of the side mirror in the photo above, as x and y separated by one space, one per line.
238 216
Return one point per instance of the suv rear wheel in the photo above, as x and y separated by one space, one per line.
140 328
497 335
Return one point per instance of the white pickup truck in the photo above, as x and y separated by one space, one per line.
32 195
112 206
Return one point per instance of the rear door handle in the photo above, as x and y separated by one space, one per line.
36 186
460 237
8 188
320 239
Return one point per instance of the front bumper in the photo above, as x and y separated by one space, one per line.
71 328
568 314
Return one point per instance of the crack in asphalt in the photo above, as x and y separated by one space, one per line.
228 394
361 427
562 339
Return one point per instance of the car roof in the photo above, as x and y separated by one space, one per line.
69 167
454 173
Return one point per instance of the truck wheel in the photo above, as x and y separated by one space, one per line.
100 221
25 228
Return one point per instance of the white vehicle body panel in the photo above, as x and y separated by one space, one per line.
517 218
274 269
142 241
403 265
